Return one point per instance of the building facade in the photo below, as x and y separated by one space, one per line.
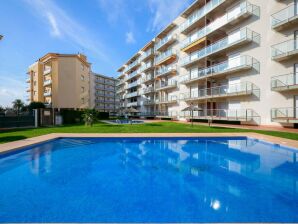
225 57
60 81
103 93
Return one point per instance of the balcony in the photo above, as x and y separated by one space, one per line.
148 54
28 80
190 23
133 84
284 50
285 18
47 93
133 94
285 115
244 115
241 63
120 90
224 91
133 104
121 82
284 82
133 75
149 102
133 65
165 57
168 114
243 10
166 70
235 40
146 67
47 70
149 90
166 85
148 78
28 89
166 42
47 82
169 100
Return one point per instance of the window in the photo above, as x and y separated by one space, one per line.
34 83
82 100
82 89
34 93
82 77
82 67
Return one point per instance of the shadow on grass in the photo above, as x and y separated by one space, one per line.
12 138
153 125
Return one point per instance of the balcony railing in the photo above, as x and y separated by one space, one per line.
132 75
199 14
243 35
284 16
133 84
47 93
149 90
133 104
149 102
28 80
133 94
47 70
47 82
166 70
167 100
168 39
284 50
231 65
145 67
245 8
166 85
247 115
284 82
285 115
165 55
166 113
148 78
146 54
239 89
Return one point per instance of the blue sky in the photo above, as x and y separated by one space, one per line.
107 31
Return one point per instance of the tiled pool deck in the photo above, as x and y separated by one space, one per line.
11 146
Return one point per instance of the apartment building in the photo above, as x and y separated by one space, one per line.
60 81
226 58
103 93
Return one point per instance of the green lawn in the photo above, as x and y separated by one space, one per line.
163 127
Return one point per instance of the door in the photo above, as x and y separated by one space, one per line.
234 36
296 40
295 74
234 84
234 109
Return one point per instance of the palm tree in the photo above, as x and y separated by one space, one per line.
89 117
17 105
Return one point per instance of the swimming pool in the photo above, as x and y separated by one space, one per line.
124 122
150 180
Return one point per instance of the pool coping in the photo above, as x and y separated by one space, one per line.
16 145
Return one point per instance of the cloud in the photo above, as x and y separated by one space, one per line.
164 11
130 39
11 89
114 9
61 25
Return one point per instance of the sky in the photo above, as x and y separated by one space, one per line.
107 31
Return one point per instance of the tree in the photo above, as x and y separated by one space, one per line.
2 109
36 105
89 117
18 105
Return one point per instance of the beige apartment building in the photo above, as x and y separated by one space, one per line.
60 81
103 93
232 60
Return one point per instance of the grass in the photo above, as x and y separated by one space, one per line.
162 127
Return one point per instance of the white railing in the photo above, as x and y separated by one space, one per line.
243 8
284 80
197 15
165 55
166 84
244 34
166 69
146 54
284 15
242 88
284 48
166 39
229 65
47 93
133 94
47 82
132 104
133 84
168 99
47 70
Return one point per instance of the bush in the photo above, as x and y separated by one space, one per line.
36 105
102 115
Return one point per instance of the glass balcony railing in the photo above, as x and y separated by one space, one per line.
47 93
169 99
146 66
148 78
240 10
223 114
166 113
132 104
132 75
244 88
284 49
165 70
47 70
169 38
242 35
224 67
133 84
132 94
149 102
288 115
167 84
146 54
288 81
165 55
285 15
47 82
199 14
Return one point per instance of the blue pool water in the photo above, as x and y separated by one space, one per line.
150 180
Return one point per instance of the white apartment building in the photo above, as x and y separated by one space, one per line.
103 93
234 60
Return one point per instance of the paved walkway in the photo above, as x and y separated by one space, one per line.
251 127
